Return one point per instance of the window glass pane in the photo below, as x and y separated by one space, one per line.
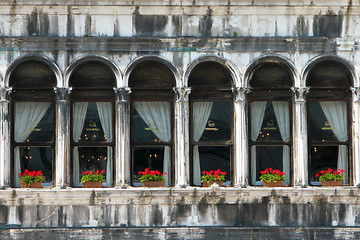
92 122
270 121
212 121
33 122
325 157
275 157
34 159
151 122
328 121
154 158
215 157
92 158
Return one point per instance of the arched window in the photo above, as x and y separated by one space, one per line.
211 120
92 119
328 117
33 114
269 119
152 122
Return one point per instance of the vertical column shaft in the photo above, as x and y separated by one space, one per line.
300 137
356 135
241 150
4 138
182 168
122 137
62 143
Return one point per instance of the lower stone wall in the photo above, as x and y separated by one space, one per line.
179 207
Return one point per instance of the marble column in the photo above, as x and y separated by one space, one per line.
182 130
62 138
241 149
300 137
356 135
122 138
5 171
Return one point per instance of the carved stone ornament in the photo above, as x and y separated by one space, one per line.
4 94
300 93
356 93
240 93
182 93
122 94
62 93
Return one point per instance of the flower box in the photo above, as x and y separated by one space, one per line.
331 183
153 183
208 184
92 184
273 184
31 185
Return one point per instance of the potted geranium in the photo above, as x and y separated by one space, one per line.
93 179
208 178
152 178
331 177
31 179
272 177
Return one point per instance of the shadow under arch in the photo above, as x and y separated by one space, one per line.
34 58
233 71
151 58
271 59
333 59
93 59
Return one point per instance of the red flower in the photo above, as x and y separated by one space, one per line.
102 171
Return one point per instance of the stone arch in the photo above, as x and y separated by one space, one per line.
333 58
271 58
234 73
37 58
156 58
112 66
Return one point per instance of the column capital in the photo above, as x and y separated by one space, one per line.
300 93
182 93
356 93
4 94
122 94
240 93
62 93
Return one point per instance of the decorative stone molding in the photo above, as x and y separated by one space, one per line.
240 93
300 93
62 93
122 94
182 93
356 94
4 94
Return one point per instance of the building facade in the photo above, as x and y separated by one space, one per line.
180 87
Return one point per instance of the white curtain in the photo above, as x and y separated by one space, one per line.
282 115
257 118
157 116
335 112
79 114
105 115
201 113
27 117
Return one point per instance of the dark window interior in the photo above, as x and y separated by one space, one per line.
270 75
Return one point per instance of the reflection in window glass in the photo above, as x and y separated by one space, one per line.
154 158
325 157
212 158
151 122
92 122
275 157
92 158
212 121
34 159
328 121
33 122
270 121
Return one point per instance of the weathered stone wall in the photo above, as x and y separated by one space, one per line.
311 207
238 31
